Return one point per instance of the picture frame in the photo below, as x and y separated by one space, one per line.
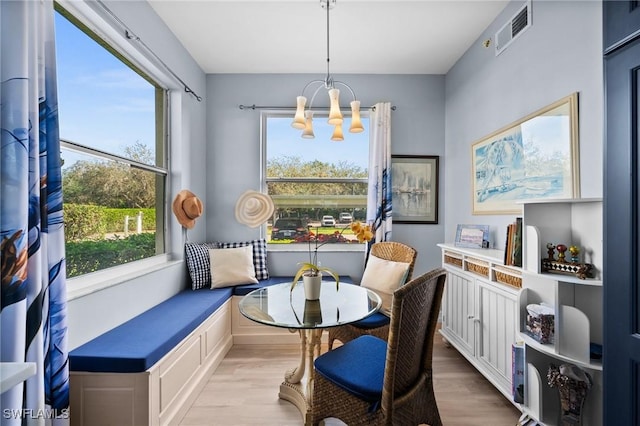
535 157
415 188
472 236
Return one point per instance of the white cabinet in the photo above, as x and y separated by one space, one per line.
577 303
479 309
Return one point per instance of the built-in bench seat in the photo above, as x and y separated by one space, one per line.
148 370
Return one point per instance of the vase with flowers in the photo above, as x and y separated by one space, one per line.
311 271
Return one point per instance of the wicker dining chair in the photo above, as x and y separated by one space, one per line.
369 381
378 323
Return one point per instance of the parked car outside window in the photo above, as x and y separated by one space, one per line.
328 221
345 217
288 228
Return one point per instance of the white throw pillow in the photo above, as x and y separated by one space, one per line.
232 266
384 277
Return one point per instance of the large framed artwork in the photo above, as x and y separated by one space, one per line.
415 188
533 158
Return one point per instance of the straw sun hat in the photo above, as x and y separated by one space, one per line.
254 208
187 208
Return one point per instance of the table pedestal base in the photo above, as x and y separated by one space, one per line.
297 387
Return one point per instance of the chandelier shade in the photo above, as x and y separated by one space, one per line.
356 122
304 121
308 127
337 133
299 120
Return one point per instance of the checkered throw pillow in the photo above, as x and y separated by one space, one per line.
259 255
199 263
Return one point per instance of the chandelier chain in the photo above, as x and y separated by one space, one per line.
328 81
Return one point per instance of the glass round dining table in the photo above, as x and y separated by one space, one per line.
279 306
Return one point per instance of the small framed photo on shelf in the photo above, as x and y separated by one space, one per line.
472 236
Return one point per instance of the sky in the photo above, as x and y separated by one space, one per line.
284 140
104 104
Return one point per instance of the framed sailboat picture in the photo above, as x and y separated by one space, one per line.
533 158
414 182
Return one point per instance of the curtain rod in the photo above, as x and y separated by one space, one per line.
254 107
131 36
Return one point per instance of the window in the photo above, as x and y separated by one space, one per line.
112 120
318 186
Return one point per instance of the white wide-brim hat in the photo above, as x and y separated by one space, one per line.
187 207
254 208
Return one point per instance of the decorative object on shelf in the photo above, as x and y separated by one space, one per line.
312 269
551 249
504 172
561 250
254 208
575 254
303 119
580 270
414 195
573 385
540 322
517 372
187 207
471 236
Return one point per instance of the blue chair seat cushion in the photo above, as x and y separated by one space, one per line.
139 343
375 320
356 367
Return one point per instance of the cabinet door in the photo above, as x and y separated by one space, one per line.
497 331
459 310
624 17
621 361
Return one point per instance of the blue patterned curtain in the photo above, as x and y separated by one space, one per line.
379 198
33 299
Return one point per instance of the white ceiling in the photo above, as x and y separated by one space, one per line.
289 36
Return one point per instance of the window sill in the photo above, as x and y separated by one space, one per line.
96 281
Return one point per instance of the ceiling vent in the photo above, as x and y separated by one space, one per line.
513 28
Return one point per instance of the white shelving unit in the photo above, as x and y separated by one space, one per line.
577 303
480 310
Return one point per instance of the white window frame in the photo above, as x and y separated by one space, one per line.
100 23
297 247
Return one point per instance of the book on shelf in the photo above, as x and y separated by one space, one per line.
513 244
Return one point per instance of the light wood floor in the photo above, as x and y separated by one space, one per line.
244 391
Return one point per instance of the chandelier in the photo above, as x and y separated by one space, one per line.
303 118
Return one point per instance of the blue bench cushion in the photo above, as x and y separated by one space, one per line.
357 367
140 342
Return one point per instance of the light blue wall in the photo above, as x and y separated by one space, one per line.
559 54
233 138
91 315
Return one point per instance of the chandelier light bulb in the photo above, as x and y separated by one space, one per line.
308 128
356 123
299 121
335 116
